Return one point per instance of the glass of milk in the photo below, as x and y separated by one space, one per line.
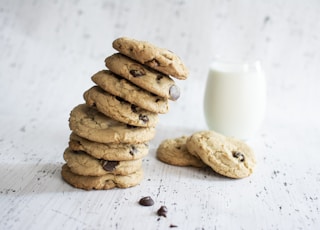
235 97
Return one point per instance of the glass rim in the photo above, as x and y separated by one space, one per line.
236 63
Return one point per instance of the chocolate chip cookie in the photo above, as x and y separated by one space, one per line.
119 109
146 78
110 152
108 181
155 57
89 123
175 152
227 156
83 164
118 86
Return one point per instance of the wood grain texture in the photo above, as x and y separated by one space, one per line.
49 51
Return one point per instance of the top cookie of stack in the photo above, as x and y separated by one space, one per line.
157 58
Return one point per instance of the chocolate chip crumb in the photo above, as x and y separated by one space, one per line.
162 211
238 155
173 226
146 201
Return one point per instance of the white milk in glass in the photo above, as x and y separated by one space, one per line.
235 98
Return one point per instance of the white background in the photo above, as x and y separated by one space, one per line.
58 45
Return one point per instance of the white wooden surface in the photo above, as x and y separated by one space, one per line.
50 49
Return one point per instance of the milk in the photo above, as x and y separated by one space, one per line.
235 98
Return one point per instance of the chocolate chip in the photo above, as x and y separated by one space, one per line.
159 77
146 201
109 165
158 99
174 92
137 73
143 118
173 226
134 108
238 155
133 150
162 211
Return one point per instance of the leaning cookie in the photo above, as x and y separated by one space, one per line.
227 156
89 123
174 152
118 86
142 76
119 109
110 152
105 182
83 164
155 57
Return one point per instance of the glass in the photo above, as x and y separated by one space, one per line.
235 97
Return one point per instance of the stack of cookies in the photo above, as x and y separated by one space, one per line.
111 130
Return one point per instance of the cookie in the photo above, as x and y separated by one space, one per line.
108 181
174 152
123 88
119 109
111 152
89 123
146 78
83 164
155 57
227 156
